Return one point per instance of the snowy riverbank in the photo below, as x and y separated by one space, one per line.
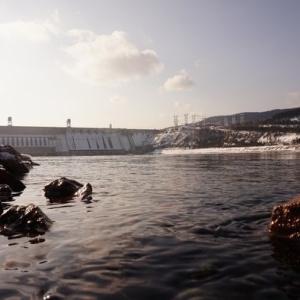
191 140
176 151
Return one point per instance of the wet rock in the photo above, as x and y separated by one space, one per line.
285 219
28 220
6 178
13 161
64 188
5 192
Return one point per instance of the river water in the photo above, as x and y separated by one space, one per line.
158 227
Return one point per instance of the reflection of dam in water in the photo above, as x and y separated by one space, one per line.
74 141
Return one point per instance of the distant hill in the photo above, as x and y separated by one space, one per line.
289 115
249 117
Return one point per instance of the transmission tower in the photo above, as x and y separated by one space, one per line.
193 119
176 121
186 119
203 121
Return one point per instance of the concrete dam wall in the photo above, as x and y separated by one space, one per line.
75 141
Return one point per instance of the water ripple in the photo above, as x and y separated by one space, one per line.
158 227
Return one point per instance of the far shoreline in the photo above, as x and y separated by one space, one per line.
257 149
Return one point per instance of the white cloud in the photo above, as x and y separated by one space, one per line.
35 31
180 82
109 60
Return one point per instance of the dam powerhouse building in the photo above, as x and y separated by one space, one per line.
43 141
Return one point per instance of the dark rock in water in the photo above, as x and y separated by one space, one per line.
14 166
13 161
67 189
6 178
5 192
28 220
285 219
62 187
85 192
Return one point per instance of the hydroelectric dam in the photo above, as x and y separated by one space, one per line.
52 141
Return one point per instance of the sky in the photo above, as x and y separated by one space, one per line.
140 64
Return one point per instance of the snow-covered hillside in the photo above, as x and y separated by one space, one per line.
189 137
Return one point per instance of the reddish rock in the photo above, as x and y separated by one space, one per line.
285 219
